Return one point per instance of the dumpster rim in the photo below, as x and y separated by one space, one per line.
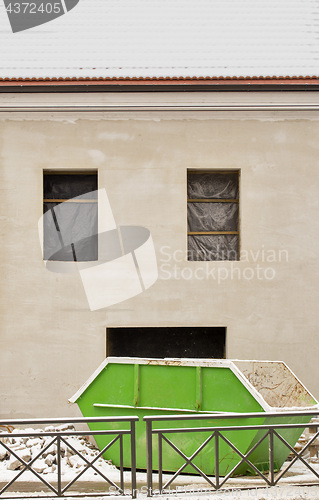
202 362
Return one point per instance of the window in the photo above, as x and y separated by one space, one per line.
70 222
166 342
213 215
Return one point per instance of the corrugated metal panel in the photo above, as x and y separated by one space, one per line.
167 38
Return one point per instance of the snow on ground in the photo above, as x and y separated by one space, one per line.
27 448
276 493
298 485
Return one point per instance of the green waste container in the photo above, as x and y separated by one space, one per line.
138 386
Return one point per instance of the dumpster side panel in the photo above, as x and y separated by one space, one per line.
113 385
223 391
164 386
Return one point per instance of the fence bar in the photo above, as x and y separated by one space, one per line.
121 464
217 459
70 433
160 462
133 458
234 428
271 457
149 457
76 420
218 415
58 445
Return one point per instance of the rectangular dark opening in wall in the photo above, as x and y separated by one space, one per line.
166 342
213 215
70 221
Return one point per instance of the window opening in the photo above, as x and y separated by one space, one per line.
70 224
166 342
213 215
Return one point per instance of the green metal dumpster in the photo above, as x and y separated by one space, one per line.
137 386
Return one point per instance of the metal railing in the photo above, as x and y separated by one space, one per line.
60 437
216 435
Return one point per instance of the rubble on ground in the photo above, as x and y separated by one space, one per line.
27 448
311 453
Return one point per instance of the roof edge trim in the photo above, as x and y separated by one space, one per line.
162 81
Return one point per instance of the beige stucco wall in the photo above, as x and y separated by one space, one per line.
51 342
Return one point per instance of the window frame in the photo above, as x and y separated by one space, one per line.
61 172
192 171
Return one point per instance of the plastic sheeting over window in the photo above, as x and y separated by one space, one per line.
213 225
213 185
70 227
213 216
219 247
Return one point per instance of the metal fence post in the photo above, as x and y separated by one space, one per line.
58 453
133 459
160 462
149 457
121 464
271 457
217 459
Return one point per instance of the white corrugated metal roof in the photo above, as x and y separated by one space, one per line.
167 38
